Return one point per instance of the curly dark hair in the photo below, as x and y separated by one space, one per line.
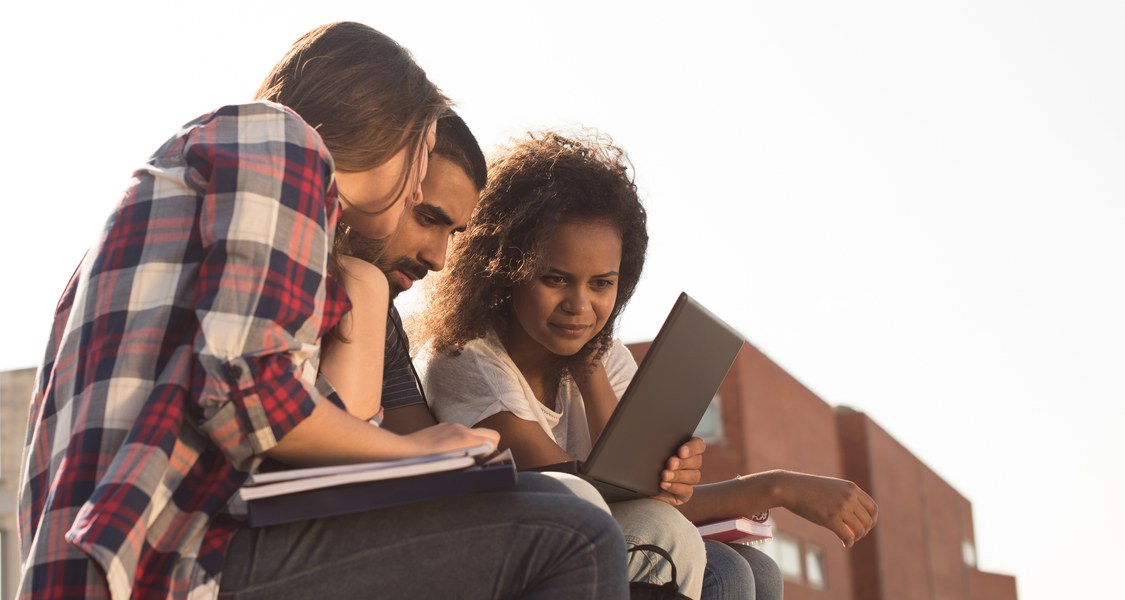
534 185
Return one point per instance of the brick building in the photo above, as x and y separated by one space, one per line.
15 394
762 418
923 547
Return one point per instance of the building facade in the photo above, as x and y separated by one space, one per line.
923 546
15 395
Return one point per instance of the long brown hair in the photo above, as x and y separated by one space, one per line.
360 90
533 186
365 96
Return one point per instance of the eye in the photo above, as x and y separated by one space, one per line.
425 219
553 280
602 284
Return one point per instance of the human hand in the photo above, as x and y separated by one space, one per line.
681 473
451 436
835 504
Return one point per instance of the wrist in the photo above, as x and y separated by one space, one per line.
587 374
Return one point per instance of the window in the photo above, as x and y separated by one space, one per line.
800 562
711 425
814 566
969 554
785 550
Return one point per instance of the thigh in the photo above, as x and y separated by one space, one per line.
728 575
653 522
768 583
487 545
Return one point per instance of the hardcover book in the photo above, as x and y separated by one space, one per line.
737 531
298 494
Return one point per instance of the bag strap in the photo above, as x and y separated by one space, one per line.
658 551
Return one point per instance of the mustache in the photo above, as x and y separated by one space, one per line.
411 267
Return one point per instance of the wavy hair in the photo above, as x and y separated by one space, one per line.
534 185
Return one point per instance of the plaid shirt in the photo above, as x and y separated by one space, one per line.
184 347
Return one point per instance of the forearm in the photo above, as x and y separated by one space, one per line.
598 398
408 419
331 436
742 496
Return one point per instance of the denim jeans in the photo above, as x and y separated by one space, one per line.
648 521
536 540
740 572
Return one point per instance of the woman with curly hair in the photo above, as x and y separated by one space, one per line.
519 338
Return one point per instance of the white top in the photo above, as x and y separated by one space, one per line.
483 381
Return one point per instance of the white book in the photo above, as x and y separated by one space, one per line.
740 530
265 485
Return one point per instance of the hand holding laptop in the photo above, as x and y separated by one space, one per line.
682 473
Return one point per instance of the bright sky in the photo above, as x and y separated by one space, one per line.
914 208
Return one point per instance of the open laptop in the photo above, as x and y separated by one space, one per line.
663 404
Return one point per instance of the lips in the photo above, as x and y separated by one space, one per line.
570 330
404 280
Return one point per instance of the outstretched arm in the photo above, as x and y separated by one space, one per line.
835 504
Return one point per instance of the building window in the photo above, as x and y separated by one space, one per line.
711 425
969 554
814 567
785 550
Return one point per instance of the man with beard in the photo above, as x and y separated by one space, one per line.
450 192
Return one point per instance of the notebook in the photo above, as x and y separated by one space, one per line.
659 411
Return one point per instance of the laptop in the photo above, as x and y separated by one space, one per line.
663 404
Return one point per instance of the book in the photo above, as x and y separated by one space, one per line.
338 493
264 485
740 530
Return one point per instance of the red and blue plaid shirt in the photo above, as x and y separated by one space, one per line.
184 347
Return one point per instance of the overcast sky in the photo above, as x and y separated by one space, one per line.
914 208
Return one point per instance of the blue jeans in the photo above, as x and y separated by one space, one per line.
536 540
740 572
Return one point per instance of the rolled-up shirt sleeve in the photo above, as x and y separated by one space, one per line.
263 297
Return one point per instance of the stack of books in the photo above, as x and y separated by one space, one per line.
298 494
739 530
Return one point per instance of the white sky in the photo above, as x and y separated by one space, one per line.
914 208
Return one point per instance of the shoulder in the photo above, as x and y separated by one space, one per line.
255 123
363 281
618 354
482 362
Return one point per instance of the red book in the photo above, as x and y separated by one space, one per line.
737 531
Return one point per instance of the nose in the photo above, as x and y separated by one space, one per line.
576 301
433 254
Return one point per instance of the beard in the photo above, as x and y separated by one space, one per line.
350 242
407 266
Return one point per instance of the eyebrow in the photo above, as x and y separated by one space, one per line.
438 214
558 271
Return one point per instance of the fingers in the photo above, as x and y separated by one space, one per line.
685 476
485 435
693 447
674 494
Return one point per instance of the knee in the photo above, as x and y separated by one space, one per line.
728 574
767 575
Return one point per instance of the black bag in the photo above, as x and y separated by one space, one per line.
644 590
